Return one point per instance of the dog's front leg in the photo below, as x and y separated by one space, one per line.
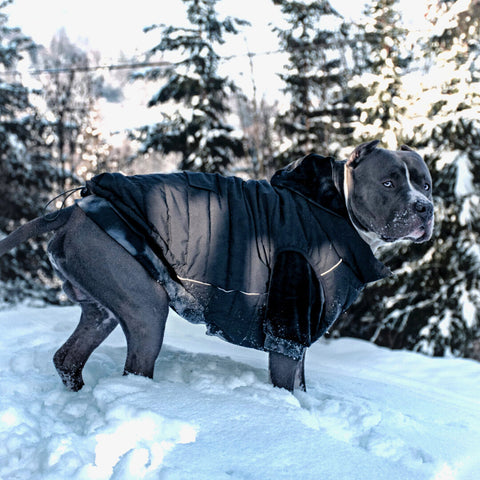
292 317
286 372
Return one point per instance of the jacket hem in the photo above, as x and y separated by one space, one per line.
286 347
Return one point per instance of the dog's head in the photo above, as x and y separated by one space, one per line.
389 194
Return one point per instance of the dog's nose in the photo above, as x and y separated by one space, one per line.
424 208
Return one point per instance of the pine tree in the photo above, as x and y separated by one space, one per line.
432 303
315 78
197 128
26 176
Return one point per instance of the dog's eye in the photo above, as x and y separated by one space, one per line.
388 184
426 187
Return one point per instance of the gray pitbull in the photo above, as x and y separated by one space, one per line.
377 196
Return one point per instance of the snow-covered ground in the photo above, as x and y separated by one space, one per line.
210 413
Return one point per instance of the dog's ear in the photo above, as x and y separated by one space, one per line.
406 148
360 152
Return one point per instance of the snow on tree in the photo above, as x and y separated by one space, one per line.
196 126
26 176
315 78
381 58
432 303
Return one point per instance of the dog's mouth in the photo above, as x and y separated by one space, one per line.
418 232
403 226
418 235
423 232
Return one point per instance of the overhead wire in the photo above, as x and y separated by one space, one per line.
127 66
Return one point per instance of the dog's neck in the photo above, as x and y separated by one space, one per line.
340 181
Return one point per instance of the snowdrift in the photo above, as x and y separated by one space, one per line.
210 413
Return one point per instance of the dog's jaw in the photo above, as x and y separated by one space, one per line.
373 240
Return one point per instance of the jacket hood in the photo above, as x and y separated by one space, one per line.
312 177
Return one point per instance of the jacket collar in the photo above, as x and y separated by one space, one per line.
312 177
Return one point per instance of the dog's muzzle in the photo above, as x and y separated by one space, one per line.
422 221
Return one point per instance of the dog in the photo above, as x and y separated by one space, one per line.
265 265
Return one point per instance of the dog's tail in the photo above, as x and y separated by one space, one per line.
34 228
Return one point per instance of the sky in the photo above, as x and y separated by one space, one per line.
116 25
112 27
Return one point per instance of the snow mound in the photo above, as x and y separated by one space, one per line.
210 412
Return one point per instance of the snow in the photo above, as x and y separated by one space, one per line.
469 310
210 412
464 184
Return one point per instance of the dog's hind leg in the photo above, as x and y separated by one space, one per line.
96 323
98 266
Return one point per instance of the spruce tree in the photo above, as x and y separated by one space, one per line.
315 78
381 58
197 128
432 303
